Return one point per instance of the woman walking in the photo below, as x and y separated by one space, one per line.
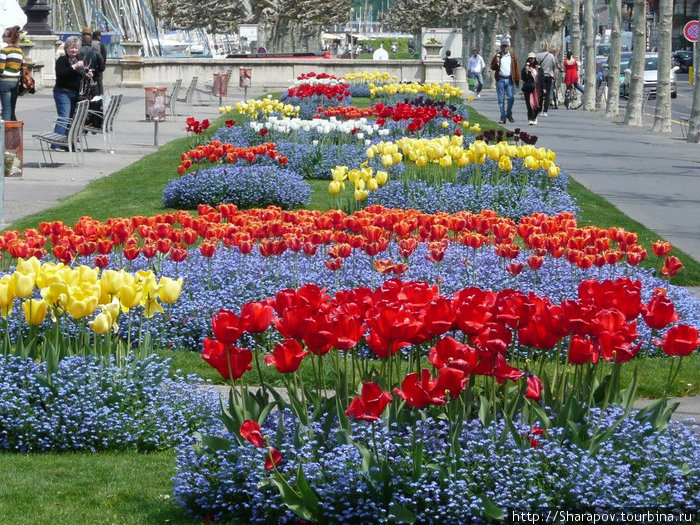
571 72
11 60
530 78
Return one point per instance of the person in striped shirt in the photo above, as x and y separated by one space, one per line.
11 60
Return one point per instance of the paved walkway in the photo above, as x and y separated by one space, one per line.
653 178
41 188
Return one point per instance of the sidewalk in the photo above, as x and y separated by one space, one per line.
653 178
41 188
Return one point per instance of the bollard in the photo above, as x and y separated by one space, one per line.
691 70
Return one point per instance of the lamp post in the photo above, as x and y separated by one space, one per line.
37 12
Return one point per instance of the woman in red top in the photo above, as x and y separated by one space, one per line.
571 72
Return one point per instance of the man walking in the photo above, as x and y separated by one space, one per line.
505 67
548 63
476 65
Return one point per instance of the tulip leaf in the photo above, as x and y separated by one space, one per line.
231 424
442 471
265 412
540 413
342 416
293 500
216 443
484 411
401 514
299 410
490 510
417 460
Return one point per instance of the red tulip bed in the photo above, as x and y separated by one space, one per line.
429 367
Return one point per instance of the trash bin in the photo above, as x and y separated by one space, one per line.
244 76
220 86
14 148
155 103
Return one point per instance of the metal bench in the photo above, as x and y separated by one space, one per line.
73 141
107 127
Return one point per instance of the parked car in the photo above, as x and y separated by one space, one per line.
682 59
651 66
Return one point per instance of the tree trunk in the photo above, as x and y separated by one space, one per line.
575 28
612 108
694 124
489 48
589 46
662 115
633 113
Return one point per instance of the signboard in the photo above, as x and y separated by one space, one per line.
248 32
244 74
691 30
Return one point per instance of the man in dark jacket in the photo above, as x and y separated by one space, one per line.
450 63
93 61
507 72
97 44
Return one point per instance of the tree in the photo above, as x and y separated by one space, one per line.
694 124
575 28
633 112
662 114
612 108
589 47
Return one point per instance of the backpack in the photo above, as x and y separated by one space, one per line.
26 81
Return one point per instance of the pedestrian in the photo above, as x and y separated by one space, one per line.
507 72
571 67
450 63
70 71
476 66
531 77
100 47
548 65
11 60
92 58
554 102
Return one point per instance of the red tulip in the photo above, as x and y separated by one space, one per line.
250 431
581 351
534 388
226 327
346 331
256 317
371 403
659 312
274 458
450 380
231 363
417 392
680 340
448 352
672 265
101 261
661 248
287 356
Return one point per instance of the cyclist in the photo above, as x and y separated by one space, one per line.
571 72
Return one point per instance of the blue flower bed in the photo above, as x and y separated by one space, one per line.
308 106
635 467
316 162
246 186
359 90
230 279
95 406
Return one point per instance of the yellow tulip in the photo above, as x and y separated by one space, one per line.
130 296
7 295
56 294
387 160
381 177
87 274
445 161
334 187
147 280
553 171
361 195
150 305
396 157
372 184
505 164
445 124
101 323
34 311
111 281
23 284
340 173
353 176
421 161
169 289
531 163
81 303
31 265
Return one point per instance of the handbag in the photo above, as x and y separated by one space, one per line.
26 81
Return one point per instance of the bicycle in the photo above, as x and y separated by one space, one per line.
572 98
